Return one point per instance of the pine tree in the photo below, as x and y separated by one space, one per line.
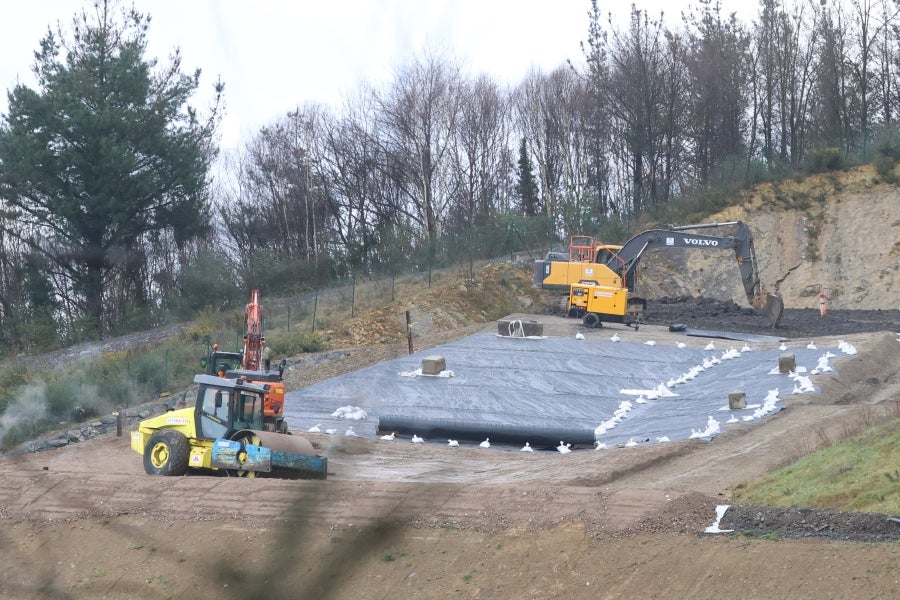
102 155
527 186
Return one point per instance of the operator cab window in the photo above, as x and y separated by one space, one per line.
247 415
214 410
604 256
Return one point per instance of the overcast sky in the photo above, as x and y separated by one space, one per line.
274 55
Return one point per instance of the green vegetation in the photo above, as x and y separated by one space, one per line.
857 474
887 154
821 160
36 400
103 155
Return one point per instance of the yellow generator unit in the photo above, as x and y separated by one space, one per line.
598 303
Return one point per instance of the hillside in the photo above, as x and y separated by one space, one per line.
837 232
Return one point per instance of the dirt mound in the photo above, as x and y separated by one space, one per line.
771 522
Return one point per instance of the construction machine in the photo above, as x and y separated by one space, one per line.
585 263
230 365
222 432
598 303
599 287
251 365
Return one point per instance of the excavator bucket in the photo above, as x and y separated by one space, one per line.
772 305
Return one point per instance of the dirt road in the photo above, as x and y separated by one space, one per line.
396 518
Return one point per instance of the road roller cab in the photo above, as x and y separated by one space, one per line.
224 430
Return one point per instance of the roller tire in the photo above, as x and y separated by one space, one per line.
167 453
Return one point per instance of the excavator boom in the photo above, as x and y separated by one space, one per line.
626 260
253 337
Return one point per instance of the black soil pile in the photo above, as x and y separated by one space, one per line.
770 522
694 512
718 315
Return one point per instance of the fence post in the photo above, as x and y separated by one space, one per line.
289 318
353 299
409 333
315 307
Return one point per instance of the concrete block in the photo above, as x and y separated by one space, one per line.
433 365
787 362
737 399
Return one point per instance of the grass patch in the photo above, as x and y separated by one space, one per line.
857 474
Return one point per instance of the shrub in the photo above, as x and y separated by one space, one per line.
293 342
887 153
820 160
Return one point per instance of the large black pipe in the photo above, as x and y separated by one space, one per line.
441 429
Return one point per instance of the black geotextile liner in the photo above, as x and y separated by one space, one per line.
544 390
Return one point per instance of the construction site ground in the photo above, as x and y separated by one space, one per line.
415 521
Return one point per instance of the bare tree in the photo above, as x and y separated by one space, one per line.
480 160
888 49
717 62
871 22
568 116
786 46
281 210
416 119
636 95
362 194
529 101
595 112
833 96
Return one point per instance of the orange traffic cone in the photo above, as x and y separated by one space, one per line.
822 310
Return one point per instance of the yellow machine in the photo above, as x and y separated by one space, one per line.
598 303
613 271
586 262
223 432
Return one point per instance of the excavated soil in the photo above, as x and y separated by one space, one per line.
795 323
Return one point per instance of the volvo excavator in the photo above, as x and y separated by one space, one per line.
252 366
599 279
222 433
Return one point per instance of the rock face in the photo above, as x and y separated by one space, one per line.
834 232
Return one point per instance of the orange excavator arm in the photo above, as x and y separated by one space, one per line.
253 337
